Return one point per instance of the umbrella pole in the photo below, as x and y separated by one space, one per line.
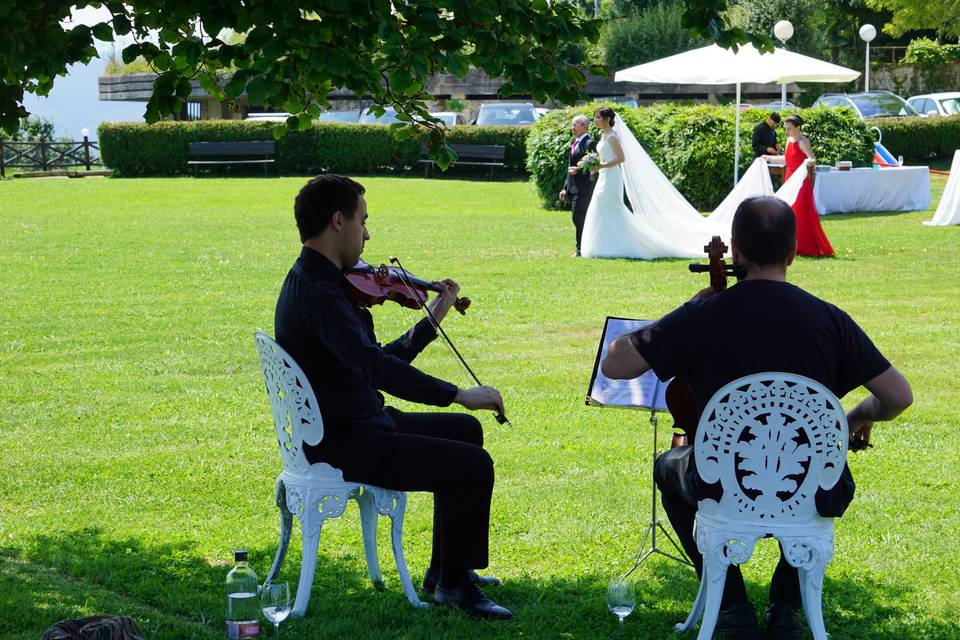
736 140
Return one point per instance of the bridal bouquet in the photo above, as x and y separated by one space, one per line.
590 164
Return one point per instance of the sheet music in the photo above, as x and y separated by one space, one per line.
645 392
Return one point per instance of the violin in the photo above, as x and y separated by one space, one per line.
371 285
679 395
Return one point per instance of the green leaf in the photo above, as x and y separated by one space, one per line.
209 83
103 31
121 24
130 53
258 90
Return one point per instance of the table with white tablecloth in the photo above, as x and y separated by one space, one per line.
885 189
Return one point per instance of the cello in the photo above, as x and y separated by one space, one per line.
679 395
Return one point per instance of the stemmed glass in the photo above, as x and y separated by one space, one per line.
621 597
275 603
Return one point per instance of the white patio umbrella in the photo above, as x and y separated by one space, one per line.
716 65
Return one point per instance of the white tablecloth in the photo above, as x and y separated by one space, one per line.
889 189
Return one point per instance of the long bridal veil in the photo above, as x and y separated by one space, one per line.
673 226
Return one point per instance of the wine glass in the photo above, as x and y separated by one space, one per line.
275 603
621 597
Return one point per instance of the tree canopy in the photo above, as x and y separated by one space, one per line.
295 53
942 16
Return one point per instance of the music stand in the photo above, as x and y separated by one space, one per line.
644 392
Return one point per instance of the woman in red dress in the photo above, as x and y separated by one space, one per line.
811 240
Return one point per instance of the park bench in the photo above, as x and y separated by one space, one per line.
483 155
229 153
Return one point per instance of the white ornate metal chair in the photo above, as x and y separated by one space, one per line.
315 492
771 440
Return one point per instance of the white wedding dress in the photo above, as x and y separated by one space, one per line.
662 224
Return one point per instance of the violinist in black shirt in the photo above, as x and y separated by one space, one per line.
332 339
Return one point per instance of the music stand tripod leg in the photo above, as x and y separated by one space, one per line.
655 522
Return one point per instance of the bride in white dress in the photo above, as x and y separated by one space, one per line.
662 224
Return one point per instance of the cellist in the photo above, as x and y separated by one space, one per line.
332 339
761 324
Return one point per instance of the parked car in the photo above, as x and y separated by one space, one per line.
268 117
506 114
624 100
389 117
936 104
767 106
541 111
351 115
450 118
875 104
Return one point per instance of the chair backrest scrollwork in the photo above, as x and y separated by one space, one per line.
296 415
771 440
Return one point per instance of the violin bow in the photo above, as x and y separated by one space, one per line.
405 278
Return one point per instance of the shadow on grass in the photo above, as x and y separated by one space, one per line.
174 593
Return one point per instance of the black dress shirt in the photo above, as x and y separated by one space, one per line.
763 137
332 339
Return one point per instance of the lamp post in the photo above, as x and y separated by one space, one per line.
86 146
784 31
867 33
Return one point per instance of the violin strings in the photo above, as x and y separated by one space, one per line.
404 277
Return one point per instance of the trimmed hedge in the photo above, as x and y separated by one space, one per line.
137 149
692 145
920 140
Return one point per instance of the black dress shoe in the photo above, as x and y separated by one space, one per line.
468 598
783 623
739 622
431 577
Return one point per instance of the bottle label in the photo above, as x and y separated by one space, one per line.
238 629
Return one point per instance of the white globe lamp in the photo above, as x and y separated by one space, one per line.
784 31
85 133
867 33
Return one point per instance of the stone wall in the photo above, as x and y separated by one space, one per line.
912 79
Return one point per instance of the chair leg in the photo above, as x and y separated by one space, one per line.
368 525
286 526
311 543
697 610
810 556
716 570
811 587
396 536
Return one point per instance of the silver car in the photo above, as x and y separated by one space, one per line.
875 104
936 104
506 114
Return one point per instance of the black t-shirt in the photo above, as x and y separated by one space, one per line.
757 326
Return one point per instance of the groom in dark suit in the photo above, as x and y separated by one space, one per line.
578 187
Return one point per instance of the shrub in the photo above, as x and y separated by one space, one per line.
927 52
548 146
920 140
137 149
692 145
838 134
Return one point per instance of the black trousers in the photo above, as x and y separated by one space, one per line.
437 452
680 490
579 202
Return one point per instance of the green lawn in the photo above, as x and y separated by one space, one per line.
138 449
